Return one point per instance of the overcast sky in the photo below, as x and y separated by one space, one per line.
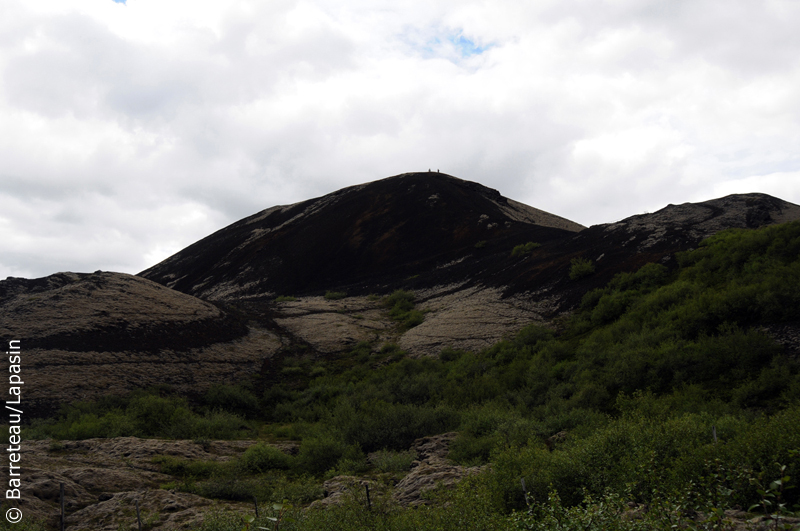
131 129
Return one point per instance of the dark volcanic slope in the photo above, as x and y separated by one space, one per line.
635 241
364 235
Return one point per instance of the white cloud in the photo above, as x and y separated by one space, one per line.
130 131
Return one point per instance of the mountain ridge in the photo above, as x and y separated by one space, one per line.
222 322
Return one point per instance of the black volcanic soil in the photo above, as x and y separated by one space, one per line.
359 237
422 230
633 242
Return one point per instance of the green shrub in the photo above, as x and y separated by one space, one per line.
335 295
533 334
400 301
579 268
285 298
640 455
401 309
412 319
236 399
262 457
525 248
353 462
227 486
390 461
185 468
376 424
26 524
469 450
318 455
214 425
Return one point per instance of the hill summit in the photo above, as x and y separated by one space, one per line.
364 235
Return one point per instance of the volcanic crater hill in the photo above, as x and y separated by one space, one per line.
361 238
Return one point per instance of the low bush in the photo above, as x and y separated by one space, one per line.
237 399
401 309
335 295
524 249
391 461
377 424
261 458
579 268
318 455
187 469
637 456
145 415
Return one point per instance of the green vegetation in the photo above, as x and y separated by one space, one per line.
676 402
388 461
335 295
148 414
27 524
481 244
402 309
579 268
285 298
524 249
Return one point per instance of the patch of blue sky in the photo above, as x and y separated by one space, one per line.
466 47
450 44
119 1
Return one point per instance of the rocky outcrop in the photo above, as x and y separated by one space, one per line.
697 221
471 318
331 326
158 510
430 471
104 479
338 489
89 335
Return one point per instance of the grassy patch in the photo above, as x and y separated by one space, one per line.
335 295
524 249
402 309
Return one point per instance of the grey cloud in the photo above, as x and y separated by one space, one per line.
86 71
196 138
